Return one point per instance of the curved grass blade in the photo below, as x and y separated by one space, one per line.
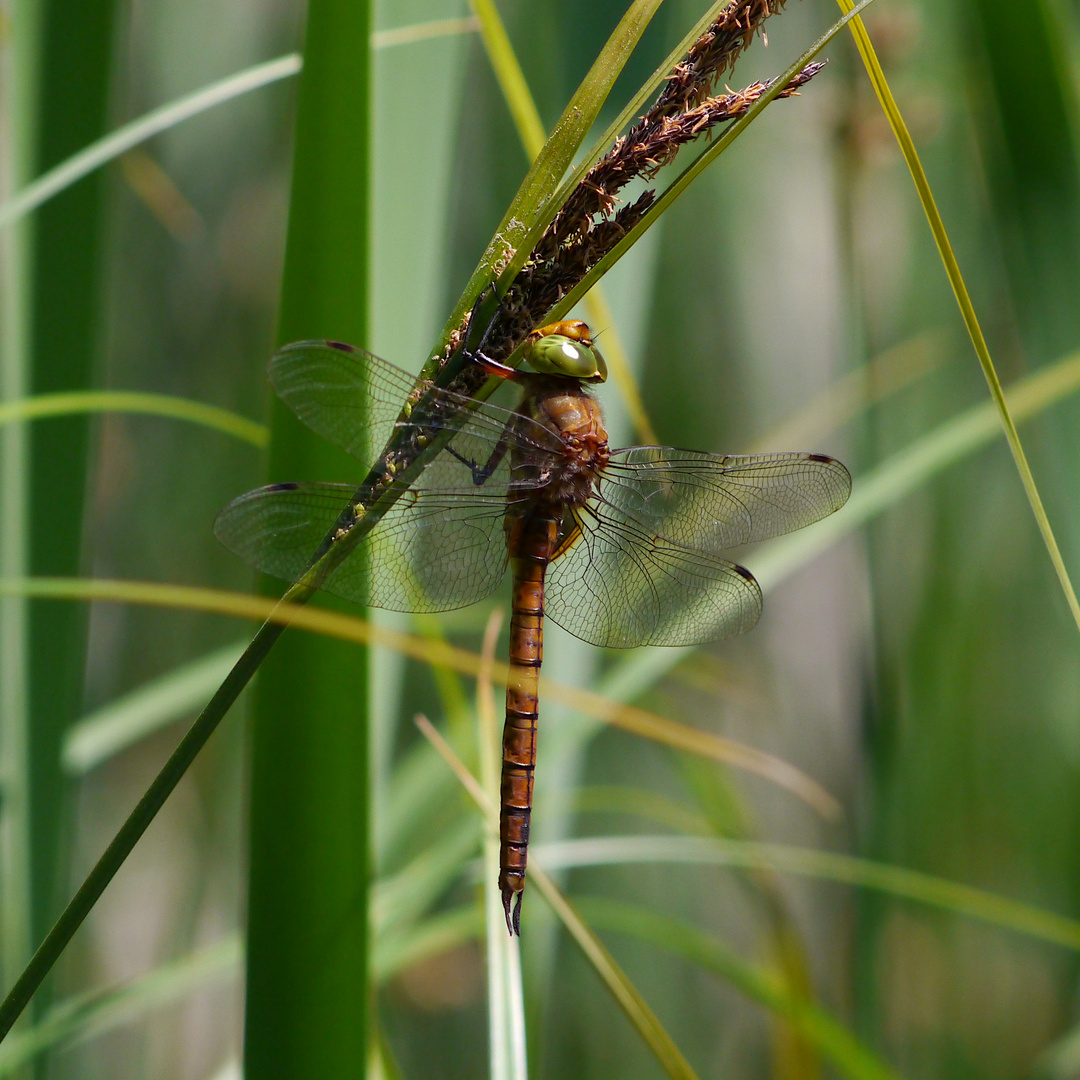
507 1048
641 803
825 865
875 491
818 1027
614 978
911 467
108 731
425 31
168 116
127 401
95 1013
816 422
146 127
288 611
393 953
401 899
138 821
963 300
883 487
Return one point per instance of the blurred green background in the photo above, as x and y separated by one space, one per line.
924 669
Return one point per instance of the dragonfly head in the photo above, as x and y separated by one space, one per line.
565 348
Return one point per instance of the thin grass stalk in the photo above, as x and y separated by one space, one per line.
27 197
19 73
896 881
307 996
884 486
291 611
74 402
820 1030
117 143
626 995
624 992
963 300
125 721
503 1061
487 733
105 869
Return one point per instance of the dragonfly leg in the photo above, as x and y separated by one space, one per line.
480 473
473 315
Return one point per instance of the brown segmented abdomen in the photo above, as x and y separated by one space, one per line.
532 541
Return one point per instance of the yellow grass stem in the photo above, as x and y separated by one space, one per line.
963 299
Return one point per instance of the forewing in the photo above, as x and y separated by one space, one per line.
714 502
621 586
355 400
432 551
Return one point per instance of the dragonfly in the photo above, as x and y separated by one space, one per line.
620 547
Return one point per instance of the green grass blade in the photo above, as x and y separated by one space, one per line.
67 318
392 953
114 727
69 403
137 822
614 978
425 31
94 1014
963 300
874 492
819 1028
19 84
913 466
139 131
624 992
309 819
896 881
403 898
511 78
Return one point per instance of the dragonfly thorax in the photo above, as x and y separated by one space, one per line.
568 410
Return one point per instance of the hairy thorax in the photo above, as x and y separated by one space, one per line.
566 408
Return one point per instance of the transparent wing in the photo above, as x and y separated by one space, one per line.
354 399
432 551
620 586
714 502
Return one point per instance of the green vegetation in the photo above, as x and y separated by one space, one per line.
843 842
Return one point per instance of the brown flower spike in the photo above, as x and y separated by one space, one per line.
591 222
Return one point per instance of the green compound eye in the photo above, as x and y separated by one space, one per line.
556 354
